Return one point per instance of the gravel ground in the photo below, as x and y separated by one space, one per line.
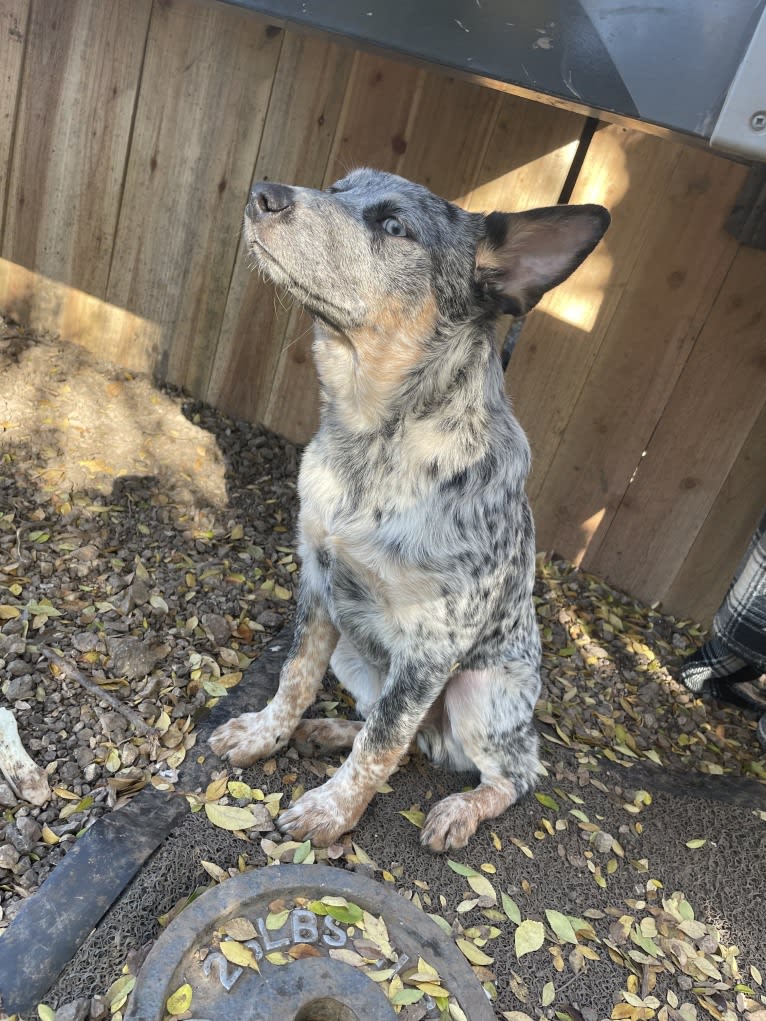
147 540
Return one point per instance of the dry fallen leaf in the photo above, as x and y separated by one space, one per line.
529 936
179 1001
229 817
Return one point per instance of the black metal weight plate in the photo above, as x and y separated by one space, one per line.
314 983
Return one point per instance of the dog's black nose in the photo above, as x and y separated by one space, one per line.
268 197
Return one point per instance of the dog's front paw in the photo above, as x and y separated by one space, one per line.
319 816
450 823
247 738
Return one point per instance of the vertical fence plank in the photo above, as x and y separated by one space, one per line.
527 158
625 171
77 98
381 101
447 138
711 412
13 33
704 576
207 78
684 258
306 99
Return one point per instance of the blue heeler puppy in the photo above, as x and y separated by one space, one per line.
417 541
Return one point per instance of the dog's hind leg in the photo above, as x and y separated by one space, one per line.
252 736
322 737
358 676
488 713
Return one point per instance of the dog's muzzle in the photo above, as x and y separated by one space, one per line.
268 198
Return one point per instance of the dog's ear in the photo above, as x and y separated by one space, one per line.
520 256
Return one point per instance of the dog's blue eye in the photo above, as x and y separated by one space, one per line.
394 227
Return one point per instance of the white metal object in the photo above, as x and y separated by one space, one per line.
741 125
26 779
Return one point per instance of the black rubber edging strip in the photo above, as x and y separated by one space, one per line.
54 922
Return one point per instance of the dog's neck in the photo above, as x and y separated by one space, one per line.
417 392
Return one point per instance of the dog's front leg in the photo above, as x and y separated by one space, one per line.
252 736
326 812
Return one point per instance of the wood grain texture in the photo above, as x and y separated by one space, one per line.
682 262
206 83
527 156
625 171
306 100
448 136
81 73
382 99
704 576
710 415
13 34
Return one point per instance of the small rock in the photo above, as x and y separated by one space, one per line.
217 627
12 646
83 756
602 842
29 880
262 821
99 1008
114 725
69 771
139 592
134 658
7 797
16 689
77 1010
136 958
270 619
150 688
30 830
9 857
86 641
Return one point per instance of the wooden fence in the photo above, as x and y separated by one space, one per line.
130 132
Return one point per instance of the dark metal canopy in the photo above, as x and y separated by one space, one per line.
669 65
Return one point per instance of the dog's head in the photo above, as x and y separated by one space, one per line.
386 267
375 248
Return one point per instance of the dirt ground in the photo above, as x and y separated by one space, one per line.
147 541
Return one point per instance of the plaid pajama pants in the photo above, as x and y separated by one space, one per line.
739 627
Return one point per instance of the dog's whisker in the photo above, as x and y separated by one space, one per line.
300 337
